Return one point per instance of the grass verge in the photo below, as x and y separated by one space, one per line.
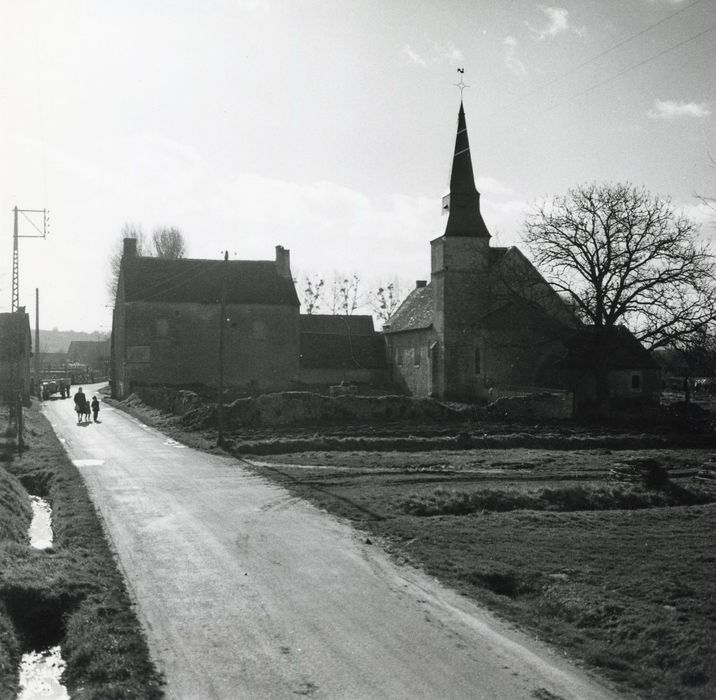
72 594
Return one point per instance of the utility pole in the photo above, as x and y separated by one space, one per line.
222 335
41 233
37 343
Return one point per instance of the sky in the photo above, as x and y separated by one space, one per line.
328 127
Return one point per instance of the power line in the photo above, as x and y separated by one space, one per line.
632 67
603 53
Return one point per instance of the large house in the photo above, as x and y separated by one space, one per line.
166 328
486 323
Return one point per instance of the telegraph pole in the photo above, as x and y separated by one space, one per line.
37 343
41 233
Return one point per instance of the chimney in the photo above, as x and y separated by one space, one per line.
130 248
420 283
283 262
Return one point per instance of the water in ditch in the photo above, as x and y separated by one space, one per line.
40 673
41 525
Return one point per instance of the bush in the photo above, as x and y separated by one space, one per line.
566 499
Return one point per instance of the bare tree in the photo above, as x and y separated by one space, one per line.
312 293
129 230
168 243
386 298
344 293
624 256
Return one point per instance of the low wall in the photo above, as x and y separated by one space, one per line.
542 406
297 407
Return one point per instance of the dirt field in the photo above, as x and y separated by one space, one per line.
601 542
619 575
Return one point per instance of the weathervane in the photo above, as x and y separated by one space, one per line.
462 84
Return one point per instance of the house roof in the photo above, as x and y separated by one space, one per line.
622 349
199 281
334 324
333 351
415 313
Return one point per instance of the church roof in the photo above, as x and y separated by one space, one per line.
199 281
621 347
415 313
464 217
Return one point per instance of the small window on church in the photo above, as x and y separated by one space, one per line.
416 355
636 382
162 327
398 356
478 365
259 329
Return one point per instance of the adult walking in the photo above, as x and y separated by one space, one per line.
80 401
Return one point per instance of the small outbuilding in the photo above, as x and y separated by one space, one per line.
15 354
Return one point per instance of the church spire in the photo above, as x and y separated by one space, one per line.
463 203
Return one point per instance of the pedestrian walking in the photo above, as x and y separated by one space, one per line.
80 402
95 408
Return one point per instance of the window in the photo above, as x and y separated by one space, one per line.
478 363
259 329
398 356
416 354
162 327
636 382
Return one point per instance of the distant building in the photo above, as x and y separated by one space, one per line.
15 354
93 353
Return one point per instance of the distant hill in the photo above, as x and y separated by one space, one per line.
59 341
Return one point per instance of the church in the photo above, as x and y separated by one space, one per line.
488 324
484 325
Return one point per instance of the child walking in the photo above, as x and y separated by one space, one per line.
95 408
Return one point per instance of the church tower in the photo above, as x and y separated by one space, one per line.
459 277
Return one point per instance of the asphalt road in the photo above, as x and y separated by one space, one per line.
247 592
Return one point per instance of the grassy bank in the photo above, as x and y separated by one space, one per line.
72 594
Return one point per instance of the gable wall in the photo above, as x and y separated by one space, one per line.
410 360
178 344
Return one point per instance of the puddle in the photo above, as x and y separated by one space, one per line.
88 462
40 674
41 526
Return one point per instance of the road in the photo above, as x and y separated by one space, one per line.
247 592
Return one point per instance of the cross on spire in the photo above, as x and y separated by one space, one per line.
462 84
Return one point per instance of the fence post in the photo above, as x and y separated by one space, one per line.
19 421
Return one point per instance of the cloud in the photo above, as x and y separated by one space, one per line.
438 53
557 23
511 61
451 53
671 109
413 56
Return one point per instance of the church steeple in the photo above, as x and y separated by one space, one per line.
463 202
